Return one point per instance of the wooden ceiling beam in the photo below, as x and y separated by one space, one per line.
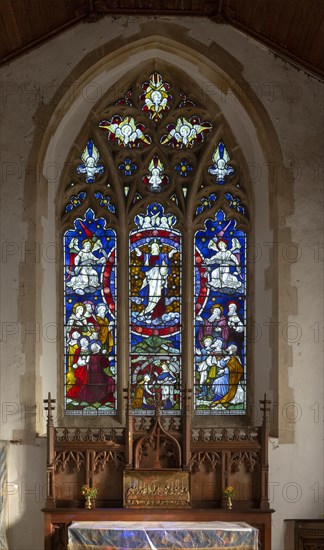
295 34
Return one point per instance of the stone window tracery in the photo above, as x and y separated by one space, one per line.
154 210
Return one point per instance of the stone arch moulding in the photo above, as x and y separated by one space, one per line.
244 115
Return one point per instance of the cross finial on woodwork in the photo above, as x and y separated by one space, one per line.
265 402
265 407
49 407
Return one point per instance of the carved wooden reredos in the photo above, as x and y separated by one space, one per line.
215 457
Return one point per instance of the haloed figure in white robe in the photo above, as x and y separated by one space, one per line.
156 266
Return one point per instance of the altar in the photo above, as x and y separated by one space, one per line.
153 535
161 484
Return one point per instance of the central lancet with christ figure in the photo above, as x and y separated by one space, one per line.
157 267
155 309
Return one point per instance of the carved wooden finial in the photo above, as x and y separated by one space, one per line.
265 407
157 403
264 401
49 405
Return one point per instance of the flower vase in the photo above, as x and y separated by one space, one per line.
229 503
88 503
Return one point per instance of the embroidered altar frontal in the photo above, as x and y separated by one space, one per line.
154 535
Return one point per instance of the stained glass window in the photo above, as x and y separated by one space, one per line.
220 317
90 317
155 311
156 181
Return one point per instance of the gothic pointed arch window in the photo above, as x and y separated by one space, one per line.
155 223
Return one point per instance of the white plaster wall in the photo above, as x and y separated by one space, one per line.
297 470
292 102
25 493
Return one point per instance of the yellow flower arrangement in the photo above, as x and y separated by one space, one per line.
90 492
229 491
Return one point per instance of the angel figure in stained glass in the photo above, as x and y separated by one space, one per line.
220 168
91 166
156 96
167 221
185 132
86 278
222 277
155 220
145 222
125 131
156 179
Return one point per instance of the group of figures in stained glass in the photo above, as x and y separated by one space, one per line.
220 275
155 280
90 316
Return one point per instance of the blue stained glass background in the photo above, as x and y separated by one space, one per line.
220 315
90 288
